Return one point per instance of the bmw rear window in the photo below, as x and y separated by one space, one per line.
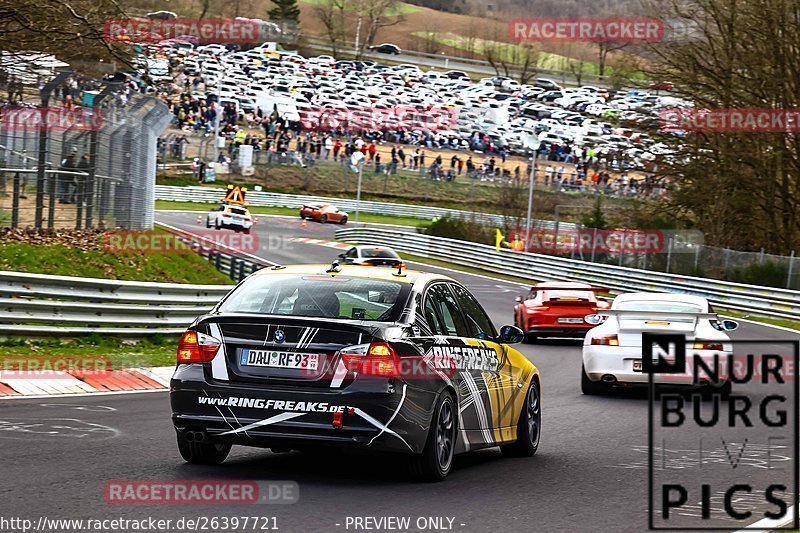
380 253
319 296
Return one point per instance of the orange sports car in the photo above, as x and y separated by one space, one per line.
556 309
323 213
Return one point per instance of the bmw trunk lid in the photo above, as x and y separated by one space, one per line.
283 350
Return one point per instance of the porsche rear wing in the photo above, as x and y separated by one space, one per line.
660 314
575 289
657 317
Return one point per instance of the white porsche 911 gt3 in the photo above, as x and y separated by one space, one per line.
612 350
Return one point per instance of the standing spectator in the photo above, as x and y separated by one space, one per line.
66 181
336 147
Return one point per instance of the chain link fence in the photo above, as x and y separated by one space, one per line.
687 257
77 153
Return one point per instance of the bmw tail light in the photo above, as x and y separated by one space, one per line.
196 347
377 359
610 340
707 345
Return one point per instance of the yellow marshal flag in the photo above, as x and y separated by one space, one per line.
498 239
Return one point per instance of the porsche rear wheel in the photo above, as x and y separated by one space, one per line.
590 387
529 427
324 219
436 459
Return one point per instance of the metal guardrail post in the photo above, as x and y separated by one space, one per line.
241 271
217 260
789 274
15 202
232 268
669 254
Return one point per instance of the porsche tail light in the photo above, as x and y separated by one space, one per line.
707 345
196 347
610 340
377 359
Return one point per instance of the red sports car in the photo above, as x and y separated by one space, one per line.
556 309
323 213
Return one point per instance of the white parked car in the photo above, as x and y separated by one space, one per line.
235 217
612 351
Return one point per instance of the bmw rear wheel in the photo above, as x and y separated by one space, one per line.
436 459
529 427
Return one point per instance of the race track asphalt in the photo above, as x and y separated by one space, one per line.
590 473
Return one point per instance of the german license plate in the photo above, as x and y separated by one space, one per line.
637 365
570 321
274 359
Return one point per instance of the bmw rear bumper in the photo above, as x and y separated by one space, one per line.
374 414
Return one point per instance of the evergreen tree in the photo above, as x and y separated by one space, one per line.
285 10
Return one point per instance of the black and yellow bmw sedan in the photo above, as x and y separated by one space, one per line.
382 359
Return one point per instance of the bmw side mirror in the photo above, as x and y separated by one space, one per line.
511 335
594 320
729 325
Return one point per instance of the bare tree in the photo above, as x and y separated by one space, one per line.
739 188
377 15
70 30
603 49
331 13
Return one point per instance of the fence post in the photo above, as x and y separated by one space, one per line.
594 242
45 93
669 254
789 275
761 257
697 256
93 144
15 202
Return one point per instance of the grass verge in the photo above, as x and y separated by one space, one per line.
89 259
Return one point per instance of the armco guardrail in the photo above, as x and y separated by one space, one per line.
37 304
256 198
765 301
53 305
463 63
